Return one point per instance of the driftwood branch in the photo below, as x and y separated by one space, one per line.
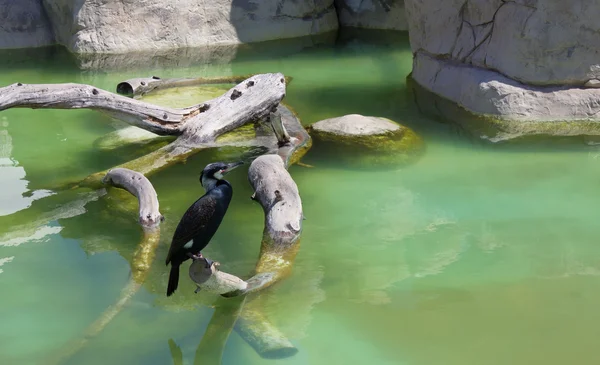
266 92
278 195
157 119
250 100
150 219
198 127
143 85
139 186
212 280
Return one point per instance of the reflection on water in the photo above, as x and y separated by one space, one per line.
14 194
471 255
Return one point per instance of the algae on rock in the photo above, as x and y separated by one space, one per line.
365 141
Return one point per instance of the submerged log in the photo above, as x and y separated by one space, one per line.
277 193
140 187
198 127
266 339
150 219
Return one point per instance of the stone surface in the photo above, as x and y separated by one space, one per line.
593 83
521 68
509 109
100 26
23 23
365 141
543 42
373 14
355 125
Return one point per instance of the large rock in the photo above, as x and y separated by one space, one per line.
511 61
23 23
496 108
101 26
366 141
373 14
539 42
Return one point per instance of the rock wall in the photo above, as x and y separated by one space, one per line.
121 26
373 14
538 42
518 60
101 26
23 24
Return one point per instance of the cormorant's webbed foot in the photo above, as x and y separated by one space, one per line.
195 257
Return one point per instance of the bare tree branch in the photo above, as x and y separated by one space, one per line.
157 119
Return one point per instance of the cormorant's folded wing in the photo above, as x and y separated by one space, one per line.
194 222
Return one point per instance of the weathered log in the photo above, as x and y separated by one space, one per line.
240 111
150 219
212 345
143 85
262 336
250 100
213 280
278 195
179 150
139 186
157 119
197 128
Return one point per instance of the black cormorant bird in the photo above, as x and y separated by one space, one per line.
201 220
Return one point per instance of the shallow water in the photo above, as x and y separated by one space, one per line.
471 255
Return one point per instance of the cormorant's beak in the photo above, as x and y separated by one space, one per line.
232 166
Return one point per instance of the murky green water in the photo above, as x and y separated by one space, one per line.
472 255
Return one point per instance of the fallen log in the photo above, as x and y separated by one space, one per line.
196 128
224 114
149 219
250 100
141 86
277 193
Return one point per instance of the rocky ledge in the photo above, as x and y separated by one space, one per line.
496 108
508 69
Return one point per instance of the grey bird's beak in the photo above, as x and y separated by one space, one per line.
232 166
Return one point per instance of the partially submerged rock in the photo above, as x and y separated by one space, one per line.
493 107
511 69
366 141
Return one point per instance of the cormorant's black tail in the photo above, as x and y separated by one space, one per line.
173 279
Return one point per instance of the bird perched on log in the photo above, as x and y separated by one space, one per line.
201 220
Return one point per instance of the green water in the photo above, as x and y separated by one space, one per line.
471 255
